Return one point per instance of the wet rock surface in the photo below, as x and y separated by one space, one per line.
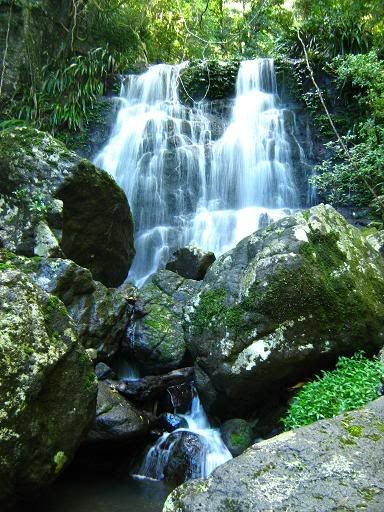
191 262
330 465
154 387
185 456
170 422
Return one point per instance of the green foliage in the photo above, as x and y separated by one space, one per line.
354 382
342 181
11 123
363 74
68 91
330 28
350 180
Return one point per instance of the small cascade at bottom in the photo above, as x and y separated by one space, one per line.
192 451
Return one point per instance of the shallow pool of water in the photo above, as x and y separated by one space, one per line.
90 493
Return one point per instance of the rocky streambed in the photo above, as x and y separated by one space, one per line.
283 304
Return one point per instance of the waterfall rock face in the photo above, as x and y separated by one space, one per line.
53 203
324 466
47 388
279 305
203 175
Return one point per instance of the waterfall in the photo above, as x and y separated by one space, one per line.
184 186
208 448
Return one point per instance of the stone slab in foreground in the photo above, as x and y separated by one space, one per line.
330 465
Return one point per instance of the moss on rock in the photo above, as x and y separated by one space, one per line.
301 291
211 80
52 201
44 402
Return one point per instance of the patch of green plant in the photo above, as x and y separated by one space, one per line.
353 383
68 90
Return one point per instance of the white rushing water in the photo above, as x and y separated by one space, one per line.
184 187
209 451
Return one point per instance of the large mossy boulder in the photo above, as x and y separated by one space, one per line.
100 315
330 465
47 388
156 335
53 203
283 303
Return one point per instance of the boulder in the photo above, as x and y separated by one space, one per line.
116 418
330 465
155 386
53 203
191 262
100 314
156 335
285 302
47 388
185 456
237 434
104 372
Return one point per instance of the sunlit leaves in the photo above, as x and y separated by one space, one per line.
355 381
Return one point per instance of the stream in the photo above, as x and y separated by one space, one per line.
190 180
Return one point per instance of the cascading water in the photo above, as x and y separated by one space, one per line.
208 449
183 186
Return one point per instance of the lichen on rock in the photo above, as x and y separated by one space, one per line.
283 302
47 387
53 202
330 465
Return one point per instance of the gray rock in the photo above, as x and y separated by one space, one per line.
52 202
116 418
100 314
279 305
330 465
191 262
156 334
237 434
46 243
104 372
47 388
